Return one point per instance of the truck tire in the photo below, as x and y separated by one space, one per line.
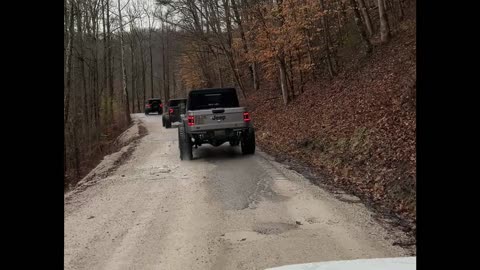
163 121
248 142
168 123
185 144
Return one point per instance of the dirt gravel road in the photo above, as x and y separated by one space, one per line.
221 210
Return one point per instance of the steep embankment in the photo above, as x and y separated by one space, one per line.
356 132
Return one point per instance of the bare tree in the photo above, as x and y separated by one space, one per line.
109 67
69 64
68 78
281 59
327 42
122 63
151 22
139 34
366 17
252 66
132 37
400 9
81 56
90 46
384 27
361 29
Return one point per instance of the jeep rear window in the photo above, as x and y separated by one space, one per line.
177 102
201 100
154 101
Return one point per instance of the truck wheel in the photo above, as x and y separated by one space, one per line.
248 142
168 123
185 144
163 121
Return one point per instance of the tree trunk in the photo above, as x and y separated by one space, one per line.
68 79
384 27
76 150
69 66
361 29
256 81
124 71
151 63
65 167
163 85
164 66
81 57
144 75
234 68
400 9
138 95
390 9
105 64
226 46
96 88
168 63
341 19
283 79
132 74
110 118
299 58
65 39
220 74
326 37
366 17
310 56
252 66
290 82
174 85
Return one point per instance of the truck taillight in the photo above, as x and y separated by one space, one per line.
170 110
191 120
161 105
246 117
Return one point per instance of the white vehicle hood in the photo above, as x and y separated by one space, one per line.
402 263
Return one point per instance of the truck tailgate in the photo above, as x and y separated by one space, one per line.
219 118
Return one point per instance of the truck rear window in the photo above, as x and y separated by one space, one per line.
209 99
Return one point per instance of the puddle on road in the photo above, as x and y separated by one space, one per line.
273 228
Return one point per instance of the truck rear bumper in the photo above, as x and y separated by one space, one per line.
202 129
213 131
218 136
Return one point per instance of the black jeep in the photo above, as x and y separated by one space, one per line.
153 105
173 110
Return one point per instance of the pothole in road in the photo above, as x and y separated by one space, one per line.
311 220
160 171
273 228
277 197
242 236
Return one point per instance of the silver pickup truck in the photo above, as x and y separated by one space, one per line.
214 116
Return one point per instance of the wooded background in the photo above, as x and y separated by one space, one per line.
118 53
